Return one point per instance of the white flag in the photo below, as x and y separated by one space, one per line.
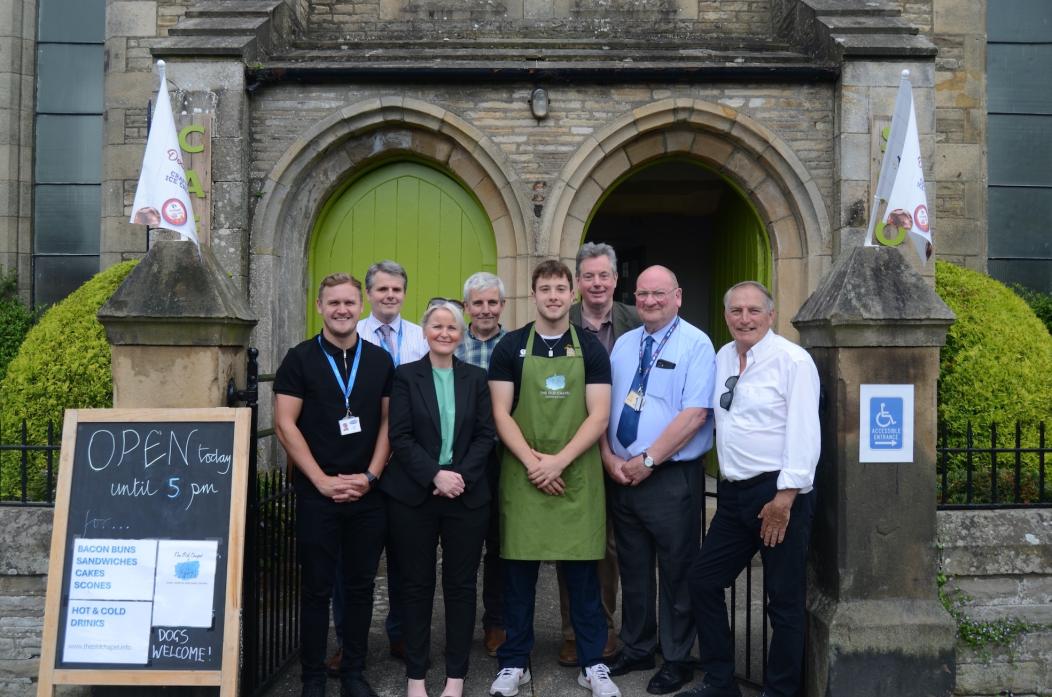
901 183
161 198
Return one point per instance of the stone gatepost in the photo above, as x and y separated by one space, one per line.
178 329
875 623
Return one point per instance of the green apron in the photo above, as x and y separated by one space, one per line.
533 524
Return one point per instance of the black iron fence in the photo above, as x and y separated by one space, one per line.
27 469
271 579
994 467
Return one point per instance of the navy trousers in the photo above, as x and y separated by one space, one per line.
731 542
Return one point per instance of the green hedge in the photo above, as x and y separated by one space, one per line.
64 363
996 368
15 321
1040 303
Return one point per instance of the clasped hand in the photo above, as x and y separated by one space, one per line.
545 472
448 483
342 488
626 472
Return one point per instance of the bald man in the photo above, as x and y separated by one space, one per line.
659 431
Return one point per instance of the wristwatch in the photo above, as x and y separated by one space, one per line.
371 477
648 461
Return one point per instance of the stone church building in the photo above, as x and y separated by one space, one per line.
727 139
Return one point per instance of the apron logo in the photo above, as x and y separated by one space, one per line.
556 382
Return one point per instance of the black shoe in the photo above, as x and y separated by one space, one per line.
670 678
625 665
313 689
704 690
354 685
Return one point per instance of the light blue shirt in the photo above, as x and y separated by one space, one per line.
669 390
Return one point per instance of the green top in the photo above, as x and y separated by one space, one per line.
446 412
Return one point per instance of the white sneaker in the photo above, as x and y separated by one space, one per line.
508 682
597 679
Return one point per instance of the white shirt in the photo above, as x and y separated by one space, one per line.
408 338
669 390
772 424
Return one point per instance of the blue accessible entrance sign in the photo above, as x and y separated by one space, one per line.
885 423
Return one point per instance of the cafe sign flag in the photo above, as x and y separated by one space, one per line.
900 203
161 198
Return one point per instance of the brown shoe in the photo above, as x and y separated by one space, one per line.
398 649
611 650
495 636
568 653
332 666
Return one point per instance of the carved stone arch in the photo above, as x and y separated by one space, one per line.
334 151
738 147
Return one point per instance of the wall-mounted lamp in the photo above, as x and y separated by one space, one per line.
539 103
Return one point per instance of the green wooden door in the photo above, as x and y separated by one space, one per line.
413 214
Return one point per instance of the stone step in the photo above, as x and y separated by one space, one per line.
219 26
868 25
233 8
876 8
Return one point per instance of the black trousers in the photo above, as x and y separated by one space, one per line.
415 532
657 526
348 536
731 542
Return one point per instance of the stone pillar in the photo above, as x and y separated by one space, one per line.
875 623
178 330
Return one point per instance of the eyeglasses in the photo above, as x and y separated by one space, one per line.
442 301
658 295
727 397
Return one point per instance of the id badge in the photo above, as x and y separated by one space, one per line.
634 400
349 425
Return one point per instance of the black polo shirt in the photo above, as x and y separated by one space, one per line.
306 374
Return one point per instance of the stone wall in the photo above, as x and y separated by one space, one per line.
1002 560
25 542
539 18
959 30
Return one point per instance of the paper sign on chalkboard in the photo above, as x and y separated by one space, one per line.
145 576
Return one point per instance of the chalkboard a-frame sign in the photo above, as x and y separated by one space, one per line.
144 582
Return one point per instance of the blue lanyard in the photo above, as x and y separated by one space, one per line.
397 357
344 388
645 372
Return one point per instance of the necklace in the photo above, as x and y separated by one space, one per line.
550 346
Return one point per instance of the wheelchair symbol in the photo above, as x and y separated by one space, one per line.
883 417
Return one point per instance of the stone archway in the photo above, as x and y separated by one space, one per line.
764 167
335 149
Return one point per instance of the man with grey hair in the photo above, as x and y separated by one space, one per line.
599 314
484 301
768 440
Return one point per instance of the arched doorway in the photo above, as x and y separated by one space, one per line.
677 212
411 213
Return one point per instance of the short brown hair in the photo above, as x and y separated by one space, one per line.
551 268
338 279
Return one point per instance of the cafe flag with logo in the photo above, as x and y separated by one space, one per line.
161 198
900 204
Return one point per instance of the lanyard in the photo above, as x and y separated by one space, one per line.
645 372
397 357
344 388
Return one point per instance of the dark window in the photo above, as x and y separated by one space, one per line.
1019 141
67 175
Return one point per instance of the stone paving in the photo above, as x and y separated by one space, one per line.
387 675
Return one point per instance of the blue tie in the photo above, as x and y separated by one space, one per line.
628 425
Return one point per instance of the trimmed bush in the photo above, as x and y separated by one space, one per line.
15 321
64 363
996 368
1040 303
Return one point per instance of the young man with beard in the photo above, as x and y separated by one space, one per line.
551 400
330 415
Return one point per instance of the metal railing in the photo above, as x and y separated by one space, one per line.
271 579
994 468
23 482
